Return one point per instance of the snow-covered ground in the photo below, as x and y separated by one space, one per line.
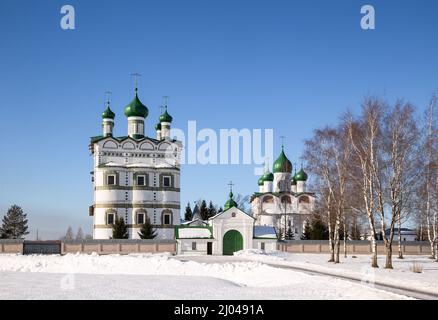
162 276
358 266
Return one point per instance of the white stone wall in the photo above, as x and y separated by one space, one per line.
125 159
270 244
226 222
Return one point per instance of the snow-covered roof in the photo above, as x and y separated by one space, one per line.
194 233
195 222
265 232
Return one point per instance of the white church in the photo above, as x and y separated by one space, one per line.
136 176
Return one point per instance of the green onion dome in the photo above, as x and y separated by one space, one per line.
165 117
293 181
136 108
282 164
268 176
108 114
158 126
261 181
301 175
230 203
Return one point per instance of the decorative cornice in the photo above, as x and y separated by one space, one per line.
137 205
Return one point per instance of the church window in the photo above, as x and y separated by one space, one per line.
111 180
166 219
141 181
285 199
262 246
304 200
268 199
193 245
110 218
166 181
140 218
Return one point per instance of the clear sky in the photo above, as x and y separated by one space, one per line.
287 65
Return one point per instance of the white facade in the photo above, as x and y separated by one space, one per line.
283 201
195 238
134 177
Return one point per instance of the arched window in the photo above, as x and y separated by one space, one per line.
268 199
286 199
304 199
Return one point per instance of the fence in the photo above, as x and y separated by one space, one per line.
353 247
87 246
154 246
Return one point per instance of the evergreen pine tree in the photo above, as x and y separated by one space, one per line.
203 210
211 210
80 234
220 210
69 234
120 230
306 232
14 224
188 216
289 234
147 231
318 230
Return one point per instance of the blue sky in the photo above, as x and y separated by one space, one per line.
287 65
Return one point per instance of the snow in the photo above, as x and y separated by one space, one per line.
358 266
162 276
265 232
190 233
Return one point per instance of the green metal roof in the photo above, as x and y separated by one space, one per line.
230 203
108 114
136 108
166 117
301 175
261 181
282 164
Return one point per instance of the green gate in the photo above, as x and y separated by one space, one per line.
233 241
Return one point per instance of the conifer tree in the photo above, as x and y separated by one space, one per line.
188 216
120 230
14 224
203 210
306 232
211 210
289 234
147 231
69 234
80 234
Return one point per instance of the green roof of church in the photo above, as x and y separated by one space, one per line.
282 164
268 176
261 181
108 113
293 181
136 108
230 203
301 175
166 117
